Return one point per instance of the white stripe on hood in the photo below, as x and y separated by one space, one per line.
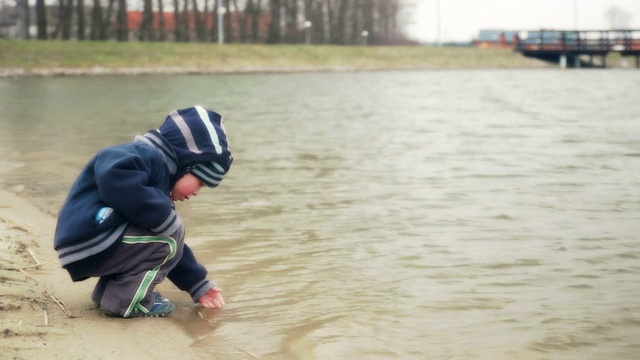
204 116
186 132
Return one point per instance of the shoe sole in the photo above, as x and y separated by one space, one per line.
112 314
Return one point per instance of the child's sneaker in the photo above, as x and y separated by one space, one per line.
161 308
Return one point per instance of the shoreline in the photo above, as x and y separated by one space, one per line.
167 70
43 315
18 72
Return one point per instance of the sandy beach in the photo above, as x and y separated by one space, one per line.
43 315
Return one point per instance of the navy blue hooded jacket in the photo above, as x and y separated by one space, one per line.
133 182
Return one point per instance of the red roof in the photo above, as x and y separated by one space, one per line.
134 20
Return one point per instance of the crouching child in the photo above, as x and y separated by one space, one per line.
119 222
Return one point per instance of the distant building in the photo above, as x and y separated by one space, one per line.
497 39
134 21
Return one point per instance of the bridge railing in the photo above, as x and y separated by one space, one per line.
593 41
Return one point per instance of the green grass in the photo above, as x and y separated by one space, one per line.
33 54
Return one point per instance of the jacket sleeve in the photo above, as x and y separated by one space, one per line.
124 182
189 275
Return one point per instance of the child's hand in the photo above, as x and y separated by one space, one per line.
212 299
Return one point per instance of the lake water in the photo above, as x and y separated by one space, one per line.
460 214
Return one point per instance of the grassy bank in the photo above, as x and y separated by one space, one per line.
33 55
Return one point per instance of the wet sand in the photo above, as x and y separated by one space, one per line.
43 315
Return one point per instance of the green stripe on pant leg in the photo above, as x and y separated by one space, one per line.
173 244
151 274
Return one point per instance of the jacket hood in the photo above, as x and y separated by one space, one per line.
199 140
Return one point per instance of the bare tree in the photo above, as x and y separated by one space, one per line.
319 21
177 33
330 14
81 34
340 25
240 21
357 16
96 30
208 21
67 12
162 34
109 21
257 14
251 18
274 25
184 24
199 21
146 28
41 19
291 21
332 21
122 19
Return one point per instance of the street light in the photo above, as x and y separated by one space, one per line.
365 35
221 11
307 29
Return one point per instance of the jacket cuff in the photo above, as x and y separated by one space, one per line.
200 289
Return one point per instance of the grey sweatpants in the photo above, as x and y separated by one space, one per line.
141 261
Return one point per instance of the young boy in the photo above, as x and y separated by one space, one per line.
118 222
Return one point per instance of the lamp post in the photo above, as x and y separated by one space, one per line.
307 29
365 35
221 11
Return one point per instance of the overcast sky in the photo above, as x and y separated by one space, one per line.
461 20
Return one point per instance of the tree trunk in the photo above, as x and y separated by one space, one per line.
255 20
331 21
357 22
184 25
66 20
177 34
199 22
81 20
108 22
96 21
274 26
208 21
318 18
240 20
246 33
41 19
123 26
146 28
60 15
162 35
291 23
342 24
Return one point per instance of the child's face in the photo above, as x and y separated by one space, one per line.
187 186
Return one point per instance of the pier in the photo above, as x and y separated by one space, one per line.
579 48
